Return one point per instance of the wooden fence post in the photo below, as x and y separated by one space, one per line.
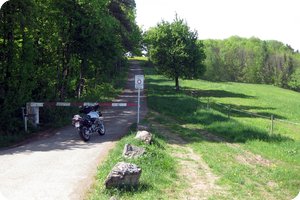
207 107
272 124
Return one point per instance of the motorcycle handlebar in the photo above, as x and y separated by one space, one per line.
87 109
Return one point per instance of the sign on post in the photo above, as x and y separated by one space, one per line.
139 84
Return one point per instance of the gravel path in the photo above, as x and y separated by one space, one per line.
62 166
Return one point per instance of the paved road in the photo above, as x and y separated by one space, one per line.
63 166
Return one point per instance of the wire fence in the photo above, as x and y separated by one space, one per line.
229 109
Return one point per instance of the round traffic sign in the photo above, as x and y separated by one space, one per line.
139 81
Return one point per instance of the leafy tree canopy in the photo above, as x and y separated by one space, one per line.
175 50
252 60
54 50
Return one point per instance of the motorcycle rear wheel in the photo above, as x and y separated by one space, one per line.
83 134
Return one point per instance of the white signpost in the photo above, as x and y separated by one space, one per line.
139 85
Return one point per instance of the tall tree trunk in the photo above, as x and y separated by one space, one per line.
62 78
81 79
9 59
80 84
63 83
176 82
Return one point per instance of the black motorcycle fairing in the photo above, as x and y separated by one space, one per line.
86 122
87 109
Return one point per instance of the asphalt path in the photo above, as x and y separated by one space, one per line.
63 166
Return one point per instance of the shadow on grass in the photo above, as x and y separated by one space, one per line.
214 93
161 90
243 111
205 117
129 190
234 131
185 110
141 187
243 107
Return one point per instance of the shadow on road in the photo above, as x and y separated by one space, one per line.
116 119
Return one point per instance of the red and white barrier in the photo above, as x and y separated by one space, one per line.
32 108
77 104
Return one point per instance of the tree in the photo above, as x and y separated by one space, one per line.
174 49
60 50
294 81
252 61
17 58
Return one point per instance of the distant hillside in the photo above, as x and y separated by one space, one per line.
252 61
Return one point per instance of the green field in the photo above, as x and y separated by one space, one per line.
280 177
248 161
158 171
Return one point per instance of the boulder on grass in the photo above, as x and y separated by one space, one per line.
131 151
123 175
143 127
144 136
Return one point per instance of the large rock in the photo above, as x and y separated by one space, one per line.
131 151
143 127
123 175
144 136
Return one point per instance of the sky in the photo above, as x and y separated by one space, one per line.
220 19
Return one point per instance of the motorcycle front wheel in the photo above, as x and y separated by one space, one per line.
101 130
83 133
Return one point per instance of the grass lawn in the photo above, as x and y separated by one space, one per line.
158 171
274 170
246 161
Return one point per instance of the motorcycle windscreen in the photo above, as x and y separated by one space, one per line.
93 114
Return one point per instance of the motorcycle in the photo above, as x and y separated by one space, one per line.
90 122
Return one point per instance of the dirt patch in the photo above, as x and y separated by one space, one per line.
193 171
210 137
245 157
251 159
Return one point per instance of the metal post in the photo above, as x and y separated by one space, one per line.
36 115
207 104
25 118
25 123
272 123
23 112
138 113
